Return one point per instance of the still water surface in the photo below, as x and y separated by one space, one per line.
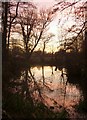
57 91
50 86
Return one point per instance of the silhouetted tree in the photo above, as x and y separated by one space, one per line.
4 25
45 41
11 18
7 21
33 23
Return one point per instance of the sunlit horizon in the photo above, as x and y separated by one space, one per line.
59 26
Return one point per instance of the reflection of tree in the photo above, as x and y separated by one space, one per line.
52 70
25 87
25 99
65 85
37 88
43 77
64 82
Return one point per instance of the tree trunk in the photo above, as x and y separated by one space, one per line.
4 32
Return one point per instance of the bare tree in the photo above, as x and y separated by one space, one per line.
4 25
72 35
11 18
44 41
33 24
7 21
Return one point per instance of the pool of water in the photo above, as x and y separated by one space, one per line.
49 86
55 88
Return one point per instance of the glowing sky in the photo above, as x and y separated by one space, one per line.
62 21
53 26
44 3
67 20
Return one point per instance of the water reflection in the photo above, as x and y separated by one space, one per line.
57 88
44 84
49 86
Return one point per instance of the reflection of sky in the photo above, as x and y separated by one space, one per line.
56 87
